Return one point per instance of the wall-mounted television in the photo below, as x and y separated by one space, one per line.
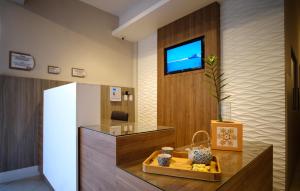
185 56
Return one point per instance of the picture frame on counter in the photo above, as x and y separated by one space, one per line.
226 135
21 61
78 72
54 70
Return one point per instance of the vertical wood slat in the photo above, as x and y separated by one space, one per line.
141 145
183 99
21 112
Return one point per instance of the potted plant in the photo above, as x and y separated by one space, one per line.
216 80
226 135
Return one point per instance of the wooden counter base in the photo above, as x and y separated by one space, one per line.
100 153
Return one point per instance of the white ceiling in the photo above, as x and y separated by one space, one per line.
117 7
139 18
156 16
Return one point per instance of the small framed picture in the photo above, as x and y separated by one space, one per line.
227 135
115 94
21 61
77 72
115 130
53 70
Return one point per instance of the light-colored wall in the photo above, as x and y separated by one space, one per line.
252 52
65 33
252 48
147 80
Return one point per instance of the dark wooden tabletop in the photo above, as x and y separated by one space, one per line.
233 165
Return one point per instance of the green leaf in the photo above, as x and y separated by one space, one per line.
225 98
215 97
214 77
211 60
219 82
214 65
223 86
210 69
208 75
215 69
215 72
219 76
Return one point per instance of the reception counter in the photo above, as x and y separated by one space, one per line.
78 155
103 148
111 156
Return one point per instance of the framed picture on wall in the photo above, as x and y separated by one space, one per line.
53 70
115 94
295 81
21 61
78 72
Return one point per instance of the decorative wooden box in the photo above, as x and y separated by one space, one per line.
227 135
181 166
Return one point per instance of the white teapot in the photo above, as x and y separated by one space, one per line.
200 154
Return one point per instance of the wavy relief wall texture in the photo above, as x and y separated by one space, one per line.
147 80
252 34
253 59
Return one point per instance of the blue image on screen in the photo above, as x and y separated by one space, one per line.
185 57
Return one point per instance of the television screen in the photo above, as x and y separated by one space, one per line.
186 56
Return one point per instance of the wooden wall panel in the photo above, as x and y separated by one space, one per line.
21 119
138 146
107 106
183 98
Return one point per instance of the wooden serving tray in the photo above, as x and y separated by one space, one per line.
180 166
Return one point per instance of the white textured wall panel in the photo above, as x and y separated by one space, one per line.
147 80
252 37
252 47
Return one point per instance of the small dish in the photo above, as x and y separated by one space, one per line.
164 159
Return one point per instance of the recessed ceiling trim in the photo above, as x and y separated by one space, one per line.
140 16
156 16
